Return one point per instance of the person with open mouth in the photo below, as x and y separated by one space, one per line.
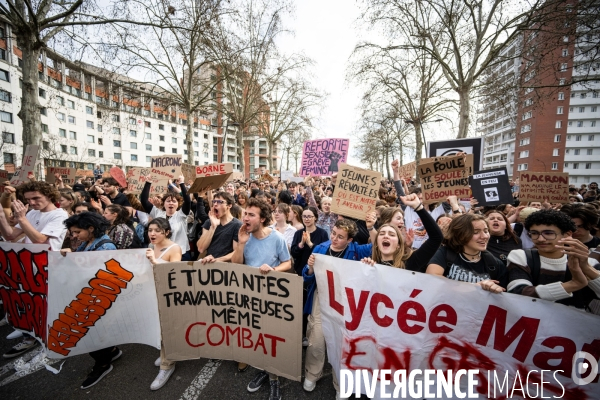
503 238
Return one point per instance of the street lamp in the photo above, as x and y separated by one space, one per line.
419 122
227 125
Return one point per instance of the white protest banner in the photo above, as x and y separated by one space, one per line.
355 191
383 318
98 299
24 286
27 166
232 312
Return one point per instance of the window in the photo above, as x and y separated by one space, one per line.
527 115
44 111
98 114
46 145
565 39
196 144
63 148
588 165
161 127
116 143
524 142
558 124
148 147
60 100
161 149
99 127
576 151
133 145
89 124
4 75
132 121
566 165
101 154
134 157
594 109
174 140
581 109
174 150
60 116
62 133
196 153
9 158
575 165
522 167
100 142
173 129
526 128
91 139
563 67
45 128
590 138
91 152
8 137
148 135
559 110
561 96
72 135
117 156
5 96
161 138
116 118
583 95
555 152
185 153
89 110
116 131
195 134
71 104
556 138
147 124
73 150
593 124
133 133
565 52
595 95
554 165
71 119
524 154
148 159
590 152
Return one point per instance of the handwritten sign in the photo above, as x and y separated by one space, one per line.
166 167
491 187
323 156
355 191
236 176
67 174
189 172
27 166
407 170
538 186
211 176
445 176
232 312
268 177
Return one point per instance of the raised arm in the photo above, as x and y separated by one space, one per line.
145 196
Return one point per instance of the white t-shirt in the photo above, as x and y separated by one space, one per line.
49 223
288 234
413 221
178 224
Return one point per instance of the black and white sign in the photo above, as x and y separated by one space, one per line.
451 147
491 187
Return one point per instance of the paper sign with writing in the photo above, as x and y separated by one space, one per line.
355 191
118 174
538 186
166 167
491 187
211 176
445 176
189 173
323 156
67 174
231 312
27 166
407 170
267 177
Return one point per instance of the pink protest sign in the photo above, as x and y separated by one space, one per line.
323 156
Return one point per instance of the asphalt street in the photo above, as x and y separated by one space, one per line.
132 375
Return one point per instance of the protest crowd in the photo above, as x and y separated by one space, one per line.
542 250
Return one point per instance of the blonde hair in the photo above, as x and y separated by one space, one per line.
402 253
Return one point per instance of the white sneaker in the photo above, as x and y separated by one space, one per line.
15 335
157 362
309 386
162 378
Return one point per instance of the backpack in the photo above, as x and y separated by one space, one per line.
518 229
488 259
534 264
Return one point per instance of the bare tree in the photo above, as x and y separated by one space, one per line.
292 144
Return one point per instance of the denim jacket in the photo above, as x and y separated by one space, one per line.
105 246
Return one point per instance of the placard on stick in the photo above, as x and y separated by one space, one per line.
27 166
407 170
67 174
541 186
189 172
491 187
445 176
355 191
211 176
323 156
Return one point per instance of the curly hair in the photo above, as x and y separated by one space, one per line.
587 214
347 225
174 196
461 230
402 253
551 217
88 220
45 189
265 210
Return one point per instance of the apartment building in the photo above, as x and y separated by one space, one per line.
91 116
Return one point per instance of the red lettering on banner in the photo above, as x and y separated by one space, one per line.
333 303
356 310
525 327
387 302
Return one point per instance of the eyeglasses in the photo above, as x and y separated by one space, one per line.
308 216
218 201
548 235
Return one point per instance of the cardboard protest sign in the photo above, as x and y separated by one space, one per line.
381 318
27 166
68 175
24 286
166 167
539 186
323 156
119 176
189 172
443 177
491 187
472 146
267 177
211 176
232 312
355 191
98 299
236 176
3 178
407 170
